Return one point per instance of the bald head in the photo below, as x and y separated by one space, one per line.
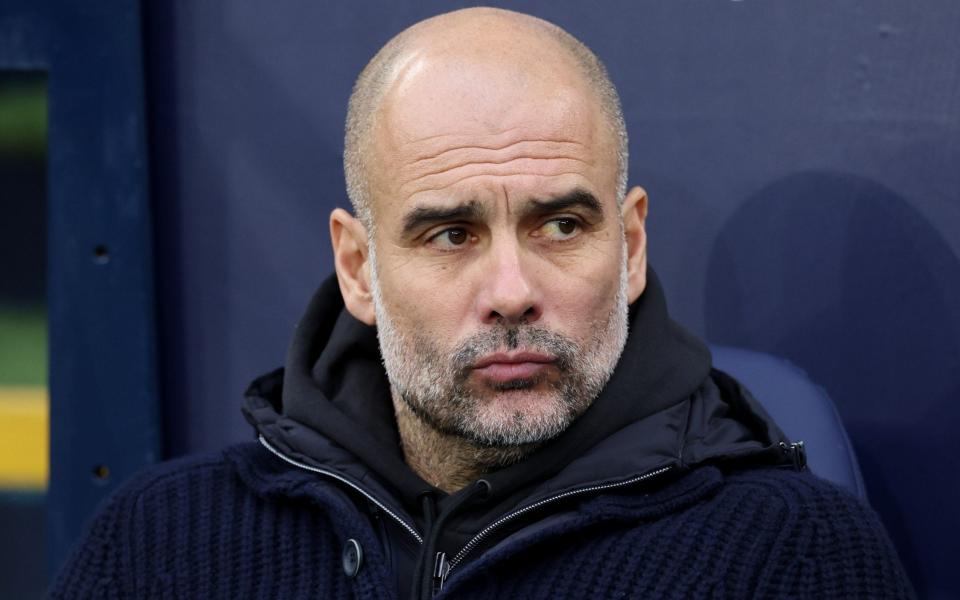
477 64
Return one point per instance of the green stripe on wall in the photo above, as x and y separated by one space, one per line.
23 346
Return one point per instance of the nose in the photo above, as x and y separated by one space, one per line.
509 293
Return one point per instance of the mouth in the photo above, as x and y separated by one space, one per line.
504 367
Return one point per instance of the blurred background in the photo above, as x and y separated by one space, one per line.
23 330
167 169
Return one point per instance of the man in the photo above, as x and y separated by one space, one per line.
515 441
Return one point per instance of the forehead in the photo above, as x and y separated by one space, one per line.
485 93
445 118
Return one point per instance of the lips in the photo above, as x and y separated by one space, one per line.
510 366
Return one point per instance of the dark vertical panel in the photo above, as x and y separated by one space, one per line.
103 377
100 278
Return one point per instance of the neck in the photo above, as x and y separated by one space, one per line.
447 461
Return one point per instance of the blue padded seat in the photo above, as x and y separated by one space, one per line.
802 409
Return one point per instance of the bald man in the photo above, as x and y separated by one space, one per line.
462 412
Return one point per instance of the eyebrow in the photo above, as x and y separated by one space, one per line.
577 198
421 217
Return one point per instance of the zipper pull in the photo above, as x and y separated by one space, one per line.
441 568
797 453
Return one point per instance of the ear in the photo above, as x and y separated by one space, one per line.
634 212
351 260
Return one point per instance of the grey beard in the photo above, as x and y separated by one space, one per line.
452 409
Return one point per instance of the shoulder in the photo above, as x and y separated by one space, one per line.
196 485
174 472
246 465
179 512
184 478
821 536
101 561
802 505
800 495
792 485
170 491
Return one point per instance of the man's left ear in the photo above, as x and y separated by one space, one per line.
634 212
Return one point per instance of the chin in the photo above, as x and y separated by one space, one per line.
519 417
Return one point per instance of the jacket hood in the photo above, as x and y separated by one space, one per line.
664 405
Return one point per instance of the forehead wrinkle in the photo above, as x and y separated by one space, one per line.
474 157
474 175
447 168
506 197
458 137
495 147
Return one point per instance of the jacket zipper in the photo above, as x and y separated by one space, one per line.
442 566
409 528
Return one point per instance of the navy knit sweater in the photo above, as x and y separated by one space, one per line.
246 525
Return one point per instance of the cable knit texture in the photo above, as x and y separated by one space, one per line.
215 528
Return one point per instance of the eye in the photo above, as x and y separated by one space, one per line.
563 228
450 238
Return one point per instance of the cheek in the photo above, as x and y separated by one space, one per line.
582 301
427 306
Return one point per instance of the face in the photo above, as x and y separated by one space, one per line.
498 263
